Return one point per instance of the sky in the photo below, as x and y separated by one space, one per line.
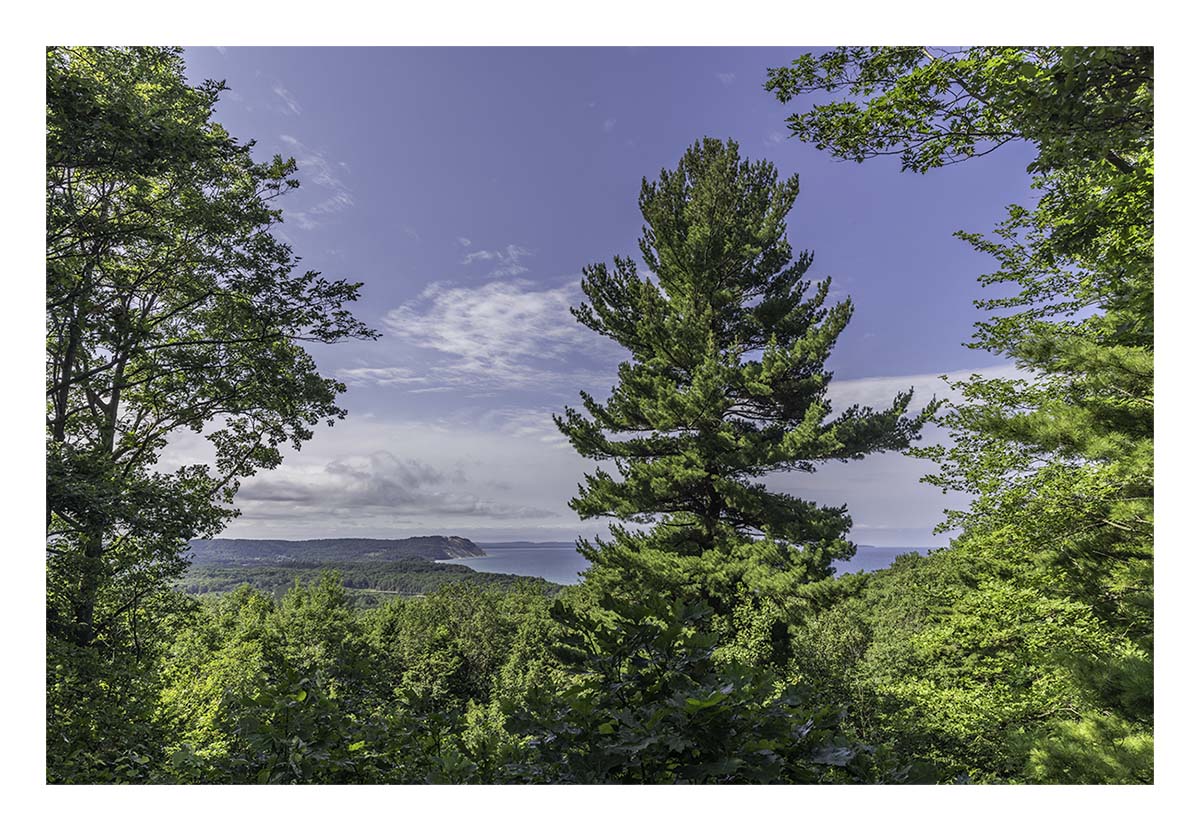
466 188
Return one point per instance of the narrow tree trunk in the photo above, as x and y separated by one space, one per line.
92 566
89 586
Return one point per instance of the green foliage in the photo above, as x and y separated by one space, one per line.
960 659
1094 748
452 646
101 727
646 703
169 306
726 383
259 691
306 689
1040 663
369 583
938 107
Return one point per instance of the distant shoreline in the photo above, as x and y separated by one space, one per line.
571 544
560 562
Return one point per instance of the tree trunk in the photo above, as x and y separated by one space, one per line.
92 567
89 586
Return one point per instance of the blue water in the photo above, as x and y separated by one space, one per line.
559 562
873 558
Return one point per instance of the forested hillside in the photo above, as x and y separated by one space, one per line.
372 571
234 551
367 584
710 640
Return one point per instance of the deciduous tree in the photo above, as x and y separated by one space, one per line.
171 306
1060 461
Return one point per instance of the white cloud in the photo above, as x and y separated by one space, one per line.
382 375
464 242
477 469
373 483
316 169
504 334
726 78
334 204
290 103
879 392
313 164
508 259
537 424
507 319
610 124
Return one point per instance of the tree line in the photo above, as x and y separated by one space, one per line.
368 583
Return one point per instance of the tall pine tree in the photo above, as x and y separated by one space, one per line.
726 383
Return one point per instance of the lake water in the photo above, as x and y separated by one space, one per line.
559 562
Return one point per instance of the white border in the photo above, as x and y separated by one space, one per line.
748 22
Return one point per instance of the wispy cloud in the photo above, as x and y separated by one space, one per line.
498 330
290 103
775 137
464 242
507 261
880 392
506 334
384 376
313 164
315 168
726 78
525 423
610 124
334 204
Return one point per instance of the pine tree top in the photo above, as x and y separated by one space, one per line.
726 381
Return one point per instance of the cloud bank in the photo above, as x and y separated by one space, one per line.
496 473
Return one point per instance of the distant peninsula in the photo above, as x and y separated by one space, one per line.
372 571
264 552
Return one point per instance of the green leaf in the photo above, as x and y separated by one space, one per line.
711 700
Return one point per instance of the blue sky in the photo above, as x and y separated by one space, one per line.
467 187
